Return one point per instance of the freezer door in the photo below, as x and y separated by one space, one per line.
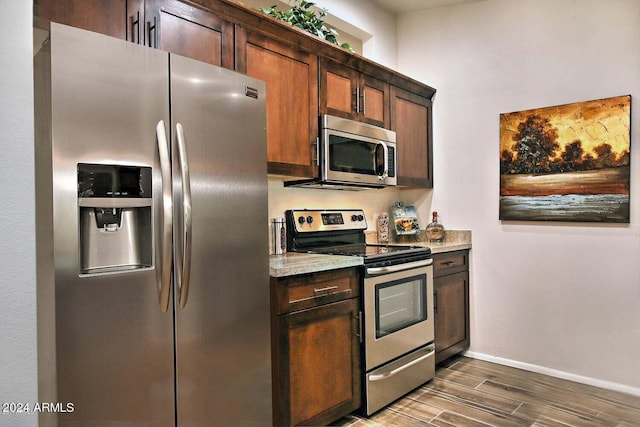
99 100
223 336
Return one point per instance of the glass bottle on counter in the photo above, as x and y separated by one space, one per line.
435 230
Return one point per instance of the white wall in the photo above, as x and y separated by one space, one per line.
18 361
557 297
373 20
373 201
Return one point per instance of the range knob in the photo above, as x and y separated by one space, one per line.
300 220
355 218
309 219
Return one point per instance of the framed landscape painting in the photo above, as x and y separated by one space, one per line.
566 163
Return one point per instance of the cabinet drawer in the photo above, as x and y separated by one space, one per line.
310 290
450 262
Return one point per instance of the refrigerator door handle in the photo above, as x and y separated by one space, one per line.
183 279
167 216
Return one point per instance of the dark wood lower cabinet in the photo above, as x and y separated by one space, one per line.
316 350
451 297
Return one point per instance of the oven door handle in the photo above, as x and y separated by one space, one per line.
372 271
378 377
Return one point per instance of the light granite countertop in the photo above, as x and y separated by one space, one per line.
454 240
291 264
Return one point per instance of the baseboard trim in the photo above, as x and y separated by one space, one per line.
635 391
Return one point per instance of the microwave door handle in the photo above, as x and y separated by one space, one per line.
166 218
185 262
385 171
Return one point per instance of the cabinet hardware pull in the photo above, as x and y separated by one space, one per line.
435 302
364 102
345 291
357 94
359 334
153 42
135 28
327 289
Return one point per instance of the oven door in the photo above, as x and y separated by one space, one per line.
398 310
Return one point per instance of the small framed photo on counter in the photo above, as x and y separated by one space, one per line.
405 220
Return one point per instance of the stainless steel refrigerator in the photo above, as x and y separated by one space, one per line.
153 290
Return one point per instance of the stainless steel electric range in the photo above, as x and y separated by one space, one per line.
397 300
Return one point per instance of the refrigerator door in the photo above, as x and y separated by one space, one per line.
223 335
114 343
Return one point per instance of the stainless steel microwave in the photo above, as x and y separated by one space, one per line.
353 155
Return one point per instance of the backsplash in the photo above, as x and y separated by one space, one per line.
451 237
371 201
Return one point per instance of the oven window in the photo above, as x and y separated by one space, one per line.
400 304
353 156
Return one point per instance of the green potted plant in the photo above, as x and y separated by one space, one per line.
300 15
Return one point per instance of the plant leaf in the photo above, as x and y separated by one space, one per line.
300 16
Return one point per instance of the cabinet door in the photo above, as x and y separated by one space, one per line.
338 90
106 17
411 119
374 101
292 101
319 364
345 92
189 31
451 314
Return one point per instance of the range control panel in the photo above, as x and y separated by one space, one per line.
307 221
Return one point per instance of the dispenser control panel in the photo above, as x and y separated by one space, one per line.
96 180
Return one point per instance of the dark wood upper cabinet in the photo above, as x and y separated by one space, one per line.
171 25
346 92
292 100
101 16
411 120
305 76
189 31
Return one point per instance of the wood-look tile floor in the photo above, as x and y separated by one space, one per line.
471 392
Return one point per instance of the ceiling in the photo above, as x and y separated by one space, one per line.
400 6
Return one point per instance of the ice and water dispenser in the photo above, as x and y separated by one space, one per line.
115 220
